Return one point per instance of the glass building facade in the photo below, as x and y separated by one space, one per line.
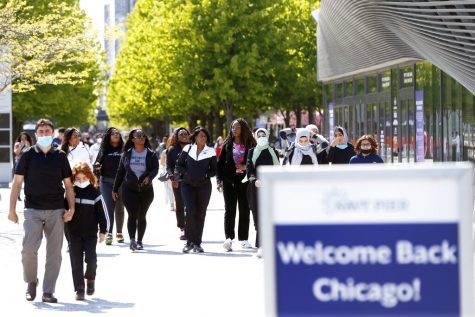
415 111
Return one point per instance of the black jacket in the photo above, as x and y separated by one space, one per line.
339 156
264 158
197 170
131 181
90 213
172 156
226 166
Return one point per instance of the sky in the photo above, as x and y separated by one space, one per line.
95 10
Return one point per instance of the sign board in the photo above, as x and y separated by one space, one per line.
379 240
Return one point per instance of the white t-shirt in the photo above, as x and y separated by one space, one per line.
138 162
78 154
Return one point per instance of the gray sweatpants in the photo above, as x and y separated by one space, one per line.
51 223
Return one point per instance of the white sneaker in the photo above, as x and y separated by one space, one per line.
228 245
245 244
259 253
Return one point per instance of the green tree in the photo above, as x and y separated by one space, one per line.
195 60
58 78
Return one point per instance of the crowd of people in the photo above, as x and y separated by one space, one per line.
81 190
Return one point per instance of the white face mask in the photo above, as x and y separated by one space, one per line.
262 141
82 185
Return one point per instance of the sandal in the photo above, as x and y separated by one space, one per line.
119 237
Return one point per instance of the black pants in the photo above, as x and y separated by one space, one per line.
137 204
236 193
179 207
196 202
82 249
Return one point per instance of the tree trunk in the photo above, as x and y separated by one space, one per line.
298 116
219 124
311 114
286 117
228 108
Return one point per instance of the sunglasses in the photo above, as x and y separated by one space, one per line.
139 136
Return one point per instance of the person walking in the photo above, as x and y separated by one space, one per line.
262 154
197 163
180 139
22 144
302 152
341 151
74 149
169 197
367 150
90 213
106 165
137 168
231 172
45 169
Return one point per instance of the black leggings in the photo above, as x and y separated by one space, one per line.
137 204
179 207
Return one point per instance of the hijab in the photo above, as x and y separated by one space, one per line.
301 150
263 146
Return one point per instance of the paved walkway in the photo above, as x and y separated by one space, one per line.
159 281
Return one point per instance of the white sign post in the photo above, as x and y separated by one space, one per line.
378 240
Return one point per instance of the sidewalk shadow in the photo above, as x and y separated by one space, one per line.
107 255
162 252
232 254
95 305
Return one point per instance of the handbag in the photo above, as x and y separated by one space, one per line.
163 176
178 176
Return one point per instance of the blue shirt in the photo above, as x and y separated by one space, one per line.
372 158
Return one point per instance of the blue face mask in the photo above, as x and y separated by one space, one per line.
44 141
342 146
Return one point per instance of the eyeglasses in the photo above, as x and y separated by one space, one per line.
365 145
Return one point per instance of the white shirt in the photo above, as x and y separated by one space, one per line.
78 154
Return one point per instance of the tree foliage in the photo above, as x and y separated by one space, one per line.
54 60
185 59
44 48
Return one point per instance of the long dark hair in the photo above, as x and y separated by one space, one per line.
67 136
246 135
129 144
174 137
28 138
197 130
106 146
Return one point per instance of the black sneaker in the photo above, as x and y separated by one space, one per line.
133 245
198 249
31 291
188 247
80 295
49 298
139 245
90 287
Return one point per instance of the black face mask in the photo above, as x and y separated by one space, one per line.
366 151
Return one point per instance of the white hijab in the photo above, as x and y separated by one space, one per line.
301 150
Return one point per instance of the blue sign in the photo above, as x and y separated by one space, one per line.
367 270
420 146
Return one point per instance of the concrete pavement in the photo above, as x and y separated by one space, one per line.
159 281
